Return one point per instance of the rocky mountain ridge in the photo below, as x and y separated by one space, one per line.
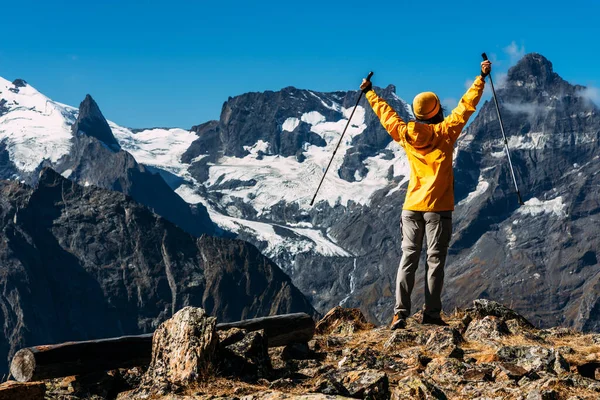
86 263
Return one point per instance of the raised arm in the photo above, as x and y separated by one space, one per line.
389 118
454 123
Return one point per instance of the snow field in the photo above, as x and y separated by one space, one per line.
160 148
35 128
535 207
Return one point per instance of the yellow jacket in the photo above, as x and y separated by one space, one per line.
429 149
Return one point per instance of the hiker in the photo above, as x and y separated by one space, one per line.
429 144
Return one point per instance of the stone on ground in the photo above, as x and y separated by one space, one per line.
344 321
183 350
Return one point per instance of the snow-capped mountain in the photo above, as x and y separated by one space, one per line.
256 168
36 132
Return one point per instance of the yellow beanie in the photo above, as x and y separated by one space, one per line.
426 105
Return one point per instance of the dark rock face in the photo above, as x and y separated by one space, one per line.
91 122
83 263
96 159
251 117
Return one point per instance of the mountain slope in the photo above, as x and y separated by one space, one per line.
83 263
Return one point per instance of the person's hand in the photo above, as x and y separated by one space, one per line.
366 85
486 68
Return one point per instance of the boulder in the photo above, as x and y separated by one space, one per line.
478 373
486 330
248 357
329 384
344 321
362 358
230 336
581 382
446 371
483 308
296 351
405 337
183 350
506 372
367 384
590 370
534 358
542 395
444 341
12 390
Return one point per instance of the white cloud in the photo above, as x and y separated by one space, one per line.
515 52
591 93
500 79
468 83
449 103
530 109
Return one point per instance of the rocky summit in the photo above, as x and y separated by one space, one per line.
486 352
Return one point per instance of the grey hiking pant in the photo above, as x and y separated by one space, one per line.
437 226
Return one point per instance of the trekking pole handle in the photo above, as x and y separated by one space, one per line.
369 76
484 56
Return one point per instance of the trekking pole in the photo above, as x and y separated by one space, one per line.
338 145
512 171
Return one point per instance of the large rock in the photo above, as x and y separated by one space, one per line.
245 356
367 384
506 372
183 351
344 321
488 308
446 371
405 337
330 384
534 358
489 329
445 342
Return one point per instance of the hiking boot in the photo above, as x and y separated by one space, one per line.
433 320
398 322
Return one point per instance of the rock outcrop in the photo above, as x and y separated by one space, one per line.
369 364
184 350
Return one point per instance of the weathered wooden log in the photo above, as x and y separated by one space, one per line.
77 358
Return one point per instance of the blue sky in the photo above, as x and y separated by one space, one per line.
158 63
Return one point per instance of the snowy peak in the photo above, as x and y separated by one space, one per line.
92 123
33 128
